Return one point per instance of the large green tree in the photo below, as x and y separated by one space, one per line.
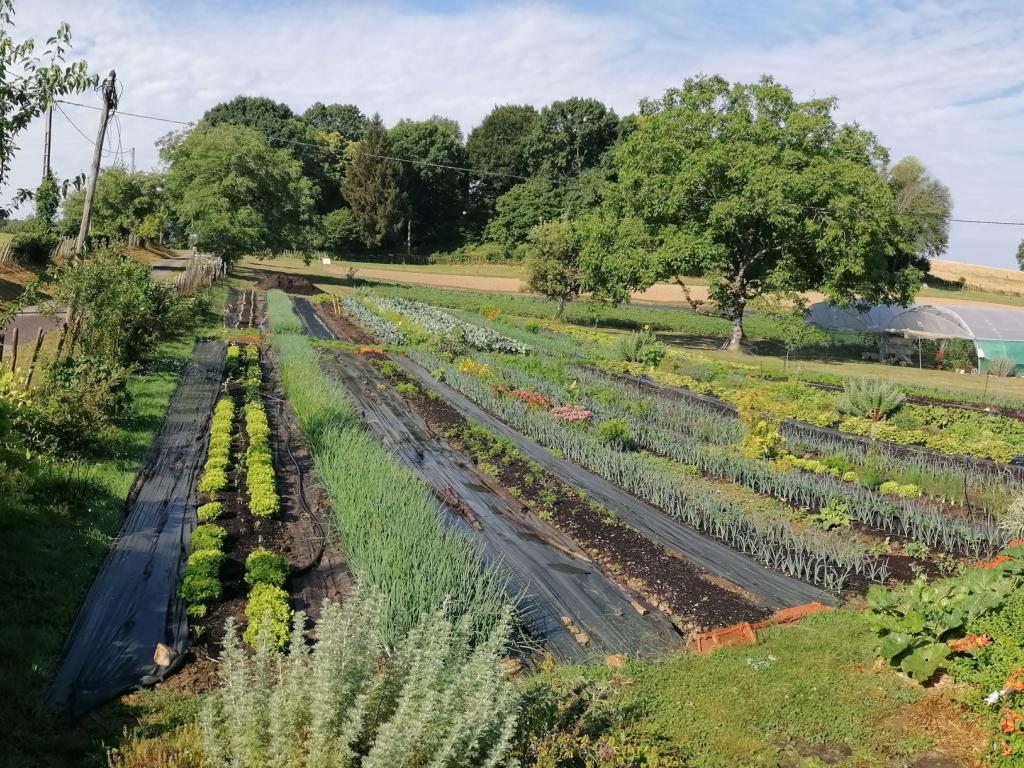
497 151
125 204
346 120
283 129
762 193
521 208
28 84
1020 254
570 136
372 186
235 194
433 188
925 205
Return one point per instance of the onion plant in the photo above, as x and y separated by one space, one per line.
387 521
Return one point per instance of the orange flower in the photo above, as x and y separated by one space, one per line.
1015 681
969 643
1007 749
995 562
1010 720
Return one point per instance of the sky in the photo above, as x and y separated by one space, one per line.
940 80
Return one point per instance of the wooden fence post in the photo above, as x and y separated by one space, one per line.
14 351
60 341
35 356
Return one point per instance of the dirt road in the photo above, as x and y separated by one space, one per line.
660 293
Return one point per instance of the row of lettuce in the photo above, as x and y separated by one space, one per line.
265 572
407 671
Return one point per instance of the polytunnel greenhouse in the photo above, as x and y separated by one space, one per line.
996 333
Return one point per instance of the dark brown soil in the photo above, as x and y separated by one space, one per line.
694 599
342 327
288 283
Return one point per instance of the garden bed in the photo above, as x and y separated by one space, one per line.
692 597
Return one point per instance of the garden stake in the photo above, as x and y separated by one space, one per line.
35 356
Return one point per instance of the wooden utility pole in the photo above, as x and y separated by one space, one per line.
46 141
109 105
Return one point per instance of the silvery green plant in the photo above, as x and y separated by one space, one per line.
395 540
439 699
438 322
816 556
668 430
379 327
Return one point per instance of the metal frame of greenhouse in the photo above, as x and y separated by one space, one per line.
995 332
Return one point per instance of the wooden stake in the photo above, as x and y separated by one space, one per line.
14 351
35 356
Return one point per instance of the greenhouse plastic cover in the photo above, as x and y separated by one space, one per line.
924 321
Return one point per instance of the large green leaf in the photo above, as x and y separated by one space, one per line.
893 644
923 662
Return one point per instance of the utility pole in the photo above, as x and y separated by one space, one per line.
46 141
109 105
133 160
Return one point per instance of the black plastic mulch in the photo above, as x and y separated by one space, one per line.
132 604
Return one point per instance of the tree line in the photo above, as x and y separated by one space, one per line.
741 184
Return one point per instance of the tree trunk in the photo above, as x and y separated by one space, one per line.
408 235
736 336
561 308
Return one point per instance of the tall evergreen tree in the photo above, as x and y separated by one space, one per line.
372 186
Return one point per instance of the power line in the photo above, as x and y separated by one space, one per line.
80 131
411 161
130 114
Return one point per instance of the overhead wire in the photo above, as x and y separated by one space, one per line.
476 171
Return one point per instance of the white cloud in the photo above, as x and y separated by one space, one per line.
934 79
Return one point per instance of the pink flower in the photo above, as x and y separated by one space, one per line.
571 413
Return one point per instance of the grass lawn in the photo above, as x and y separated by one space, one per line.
807 695
57 520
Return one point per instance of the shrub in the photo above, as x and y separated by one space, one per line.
642 347
33 247
869 477
1002 366
437 700
208 536
1011 522
268 611
870 398
613 432
265 567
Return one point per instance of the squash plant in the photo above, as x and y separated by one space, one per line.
916 622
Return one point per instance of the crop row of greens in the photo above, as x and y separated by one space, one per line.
218 455
811 555
260 478
939 475
380 327
388 522
952 431
443 324
654 431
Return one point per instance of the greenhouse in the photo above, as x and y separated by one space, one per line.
996 333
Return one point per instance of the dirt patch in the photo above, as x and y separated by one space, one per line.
960 736
684 592
288 283
342 327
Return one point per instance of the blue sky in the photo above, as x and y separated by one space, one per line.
941 80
